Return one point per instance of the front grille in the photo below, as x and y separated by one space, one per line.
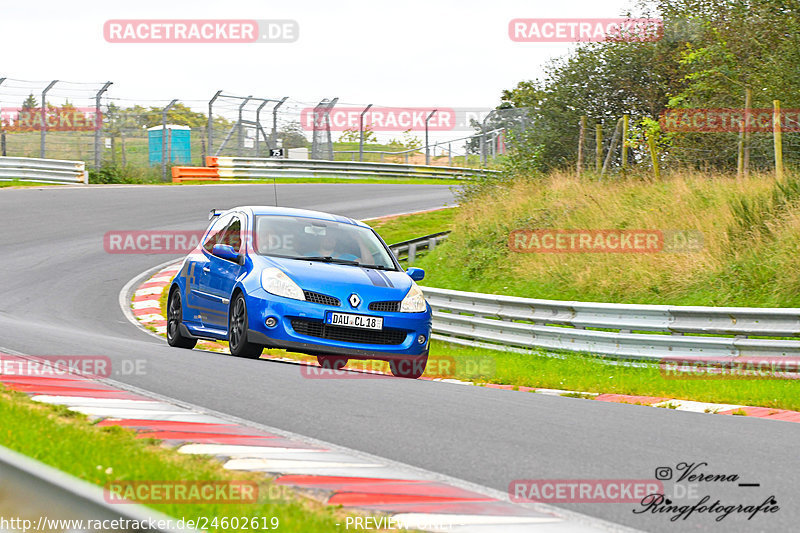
324 299
315 328
385 307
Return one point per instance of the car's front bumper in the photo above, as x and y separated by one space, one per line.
261 306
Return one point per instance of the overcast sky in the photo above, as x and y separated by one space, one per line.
408 53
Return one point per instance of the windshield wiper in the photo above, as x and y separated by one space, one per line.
329 259
376 267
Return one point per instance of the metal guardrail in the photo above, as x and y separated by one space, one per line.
239 167
46 492
43 170
622 330
409 248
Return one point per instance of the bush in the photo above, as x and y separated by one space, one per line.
113 173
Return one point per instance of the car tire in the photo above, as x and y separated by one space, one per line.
333 362
237 331
411 367
174 317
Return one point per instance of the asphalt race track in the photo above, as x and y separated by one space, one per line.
59 295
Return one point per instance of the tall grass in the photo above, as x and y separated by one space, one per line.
748 257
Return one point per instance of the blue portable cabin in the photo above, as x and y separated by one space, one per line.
178 145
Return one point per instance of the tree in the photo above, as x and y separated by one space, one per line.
292 136
352 135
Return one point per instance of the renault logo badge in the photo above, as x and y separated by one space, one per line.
355 301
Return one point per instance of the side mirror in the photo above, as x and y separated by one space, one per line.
417 274
225 251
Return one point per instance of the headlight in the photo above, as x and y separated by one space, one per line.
276 282
414 302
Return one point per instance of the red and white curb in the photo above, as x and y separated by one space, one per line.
145 307
413 498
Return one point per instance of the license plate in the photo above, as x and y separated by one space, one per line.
355 321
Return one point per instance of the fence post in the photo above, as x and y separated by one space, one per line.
2 131
625 121
743 155
361 133
274 143
258 127
651 144
598 150
44 118
778 138
210 132
581 140
99 126
164 140
122 142
240 128
427 149
612 147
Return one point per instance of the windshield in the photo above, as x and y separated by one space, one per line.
320 240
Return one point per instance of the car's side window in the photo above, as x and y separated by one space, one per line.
216 234
232 234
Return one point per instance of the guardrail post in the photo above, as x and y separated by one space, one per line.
44 118
412 253
99 126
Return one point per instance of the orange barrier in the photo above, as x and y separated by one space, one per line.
180 174
212 161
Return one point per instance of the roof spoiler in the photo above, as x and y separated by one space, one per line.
215 213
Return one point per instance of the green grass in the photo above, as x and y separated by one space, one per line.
583 373
23 183
102 455
405 227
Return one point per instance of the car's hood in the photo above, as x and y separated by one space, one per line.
341 280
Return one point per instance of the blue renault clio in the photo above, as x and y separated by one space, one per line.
304 281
